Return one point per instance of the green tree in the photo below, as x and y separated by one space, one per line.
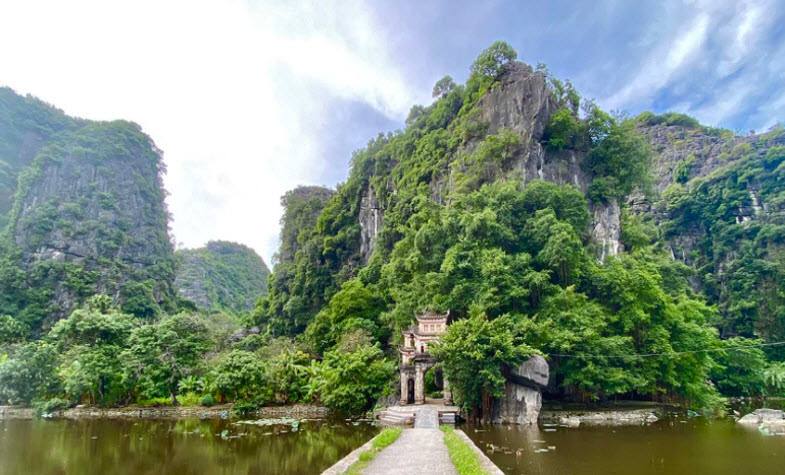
491 62
241 376
474 353
351 381
739 370
160 355
620 158
93 374
564 131
29 373
11 330
443 87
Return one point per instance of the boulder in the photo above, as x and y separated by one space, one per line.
522 398
519 405
532 372
761 416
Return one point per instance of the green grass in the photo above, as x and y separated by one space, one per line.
379 443
463 457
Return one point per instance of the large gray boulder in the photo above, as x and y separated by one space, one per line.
764 415
522 398
532 372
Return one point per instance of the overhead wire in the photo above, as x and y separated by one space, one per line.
672 353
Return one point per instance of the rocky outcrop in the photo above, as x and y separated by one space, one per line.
763 415
608 418
767 421
523 103
606 230
522 398
26 125
371 221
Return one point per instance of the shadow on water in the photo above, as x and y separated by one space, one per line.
120 447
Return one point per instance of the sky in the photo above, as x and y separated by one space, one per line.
248 99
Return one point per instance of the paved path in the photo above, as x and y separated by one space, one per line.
427 418
416 451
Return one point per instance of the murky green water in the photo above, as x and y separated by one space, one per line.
678 446
121 447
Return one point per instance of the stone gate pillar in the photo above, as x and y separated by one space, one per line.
404 387
446 391
419 384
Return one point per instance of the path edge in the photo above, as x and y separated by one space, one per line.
343 465
487 465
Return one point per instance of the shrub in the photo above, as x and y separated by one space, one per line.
207 400
564 130
50 406
350 382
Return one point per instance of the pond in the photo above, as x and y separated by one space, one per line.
119 447
675 446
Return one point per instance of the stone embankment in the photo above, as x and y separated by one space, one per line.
224 411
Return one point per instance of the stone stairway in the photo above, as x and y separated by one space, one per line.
434 414
398 415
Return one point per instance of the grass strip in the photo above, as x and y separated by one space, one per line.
463 457
379 443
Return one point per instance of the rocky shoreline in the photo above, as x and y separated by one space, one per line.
767 421
224 411
615 417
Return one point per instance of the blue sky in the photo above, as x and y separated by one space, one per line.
249 98
721 61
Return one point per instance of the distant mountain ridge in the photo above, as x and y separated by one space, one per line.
221 276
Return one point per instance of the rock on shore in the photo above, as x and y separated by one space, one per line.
768 421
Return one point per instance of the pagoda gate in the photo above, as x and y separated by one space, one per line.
415 359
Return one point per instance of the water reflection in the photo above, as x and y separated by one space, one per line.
674 446
174 447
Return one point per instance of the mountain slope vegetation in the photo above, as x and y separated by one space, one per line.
87 216
642 256
221 276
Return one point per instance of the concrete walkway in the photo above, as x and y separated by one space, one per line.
427 418
415 451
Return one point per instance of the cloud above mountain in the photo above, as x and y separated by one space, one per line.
248 99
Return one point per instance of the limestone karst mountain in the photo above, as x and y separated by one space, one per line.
83 204
701 187
221 276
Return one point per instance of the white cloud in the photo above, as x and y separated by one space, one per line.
662 65
227 88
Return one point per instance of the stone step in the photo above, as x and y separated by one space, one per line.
396 420
448 417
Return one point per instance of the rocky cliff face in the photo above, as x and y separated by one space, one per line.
26 125
371 220
89 217
222 276
521 102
